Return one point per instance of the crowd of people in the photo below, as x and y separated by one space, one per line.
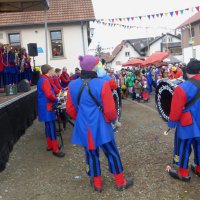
15 65
91 104
139 82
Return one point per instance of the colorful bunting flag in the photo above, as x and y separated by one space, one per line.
127 19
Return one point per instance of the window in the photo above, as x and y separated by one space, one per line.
199 29
127 54
192 32
56 44
126 45
118 63
170 39
14 40
176 50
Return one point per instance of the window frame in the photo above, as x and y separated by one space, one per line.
127 52
51 43
14 44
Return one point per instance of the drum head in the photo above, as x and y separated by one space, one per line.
163 98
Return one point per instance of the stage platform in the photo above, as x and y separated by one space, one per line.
17 113
6 99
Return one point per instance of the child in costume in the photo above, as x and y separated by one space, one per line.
184 116
46 99
145 90
90 103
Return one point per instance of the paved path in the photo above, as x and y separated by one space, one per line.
34 174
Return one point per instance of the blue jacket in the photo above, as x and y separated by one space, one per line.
187 121
46 99
92 126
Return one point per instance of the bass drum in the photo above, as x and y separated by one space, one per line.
163 96
117 104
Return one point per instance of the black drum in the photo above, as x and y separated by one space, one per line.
117 104
163 96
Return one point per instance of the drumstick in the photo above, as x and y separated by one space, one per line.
166 132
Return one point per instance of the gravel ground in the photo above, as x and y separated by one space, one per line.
34 174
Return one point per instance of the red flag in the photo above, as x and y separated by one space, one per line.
176 12
132 18
161 14
113 20
198 8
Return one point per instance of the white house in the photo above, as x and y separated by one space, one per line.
121 54
142 48
68 34
191 38
166 42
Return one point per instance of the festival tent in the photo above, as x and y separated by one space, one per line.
133 62
156 58
171 60
23 5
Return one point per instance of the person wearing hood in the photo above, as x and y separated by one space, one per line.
91 104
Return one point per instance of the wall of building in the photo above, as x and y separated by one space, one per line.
186 36
121 58
187 53
72 43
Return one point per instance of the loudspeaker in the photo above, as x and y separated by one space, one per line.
32 49
23 86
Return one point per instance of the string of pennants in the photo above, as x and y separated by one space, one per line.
104 49
116 21
130 27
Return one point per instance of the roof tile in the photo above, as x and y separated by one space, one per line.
59 11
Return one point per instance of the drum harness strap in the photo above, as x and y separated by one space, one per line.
197 95
86 84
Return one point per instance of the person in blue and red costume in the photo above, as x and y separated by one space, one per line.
56 78
1 66
76 75
27 68
13 70
184 116
46 99
64 78
90 103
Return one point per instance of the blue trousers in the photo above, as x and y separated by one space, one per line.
28 74
50 130
183 151
1 79
111 152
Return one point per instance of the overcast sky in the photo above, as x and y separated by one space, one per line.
110 36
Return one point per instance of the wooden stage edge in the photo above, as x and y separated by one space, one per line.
4 100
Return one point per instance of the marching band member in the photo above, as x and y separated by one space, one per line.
46 99
65 79
56 78
90 102
1 66
184 116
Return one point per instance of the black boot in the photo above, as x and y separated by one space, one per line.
128 183
174 174
59 154
194 170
